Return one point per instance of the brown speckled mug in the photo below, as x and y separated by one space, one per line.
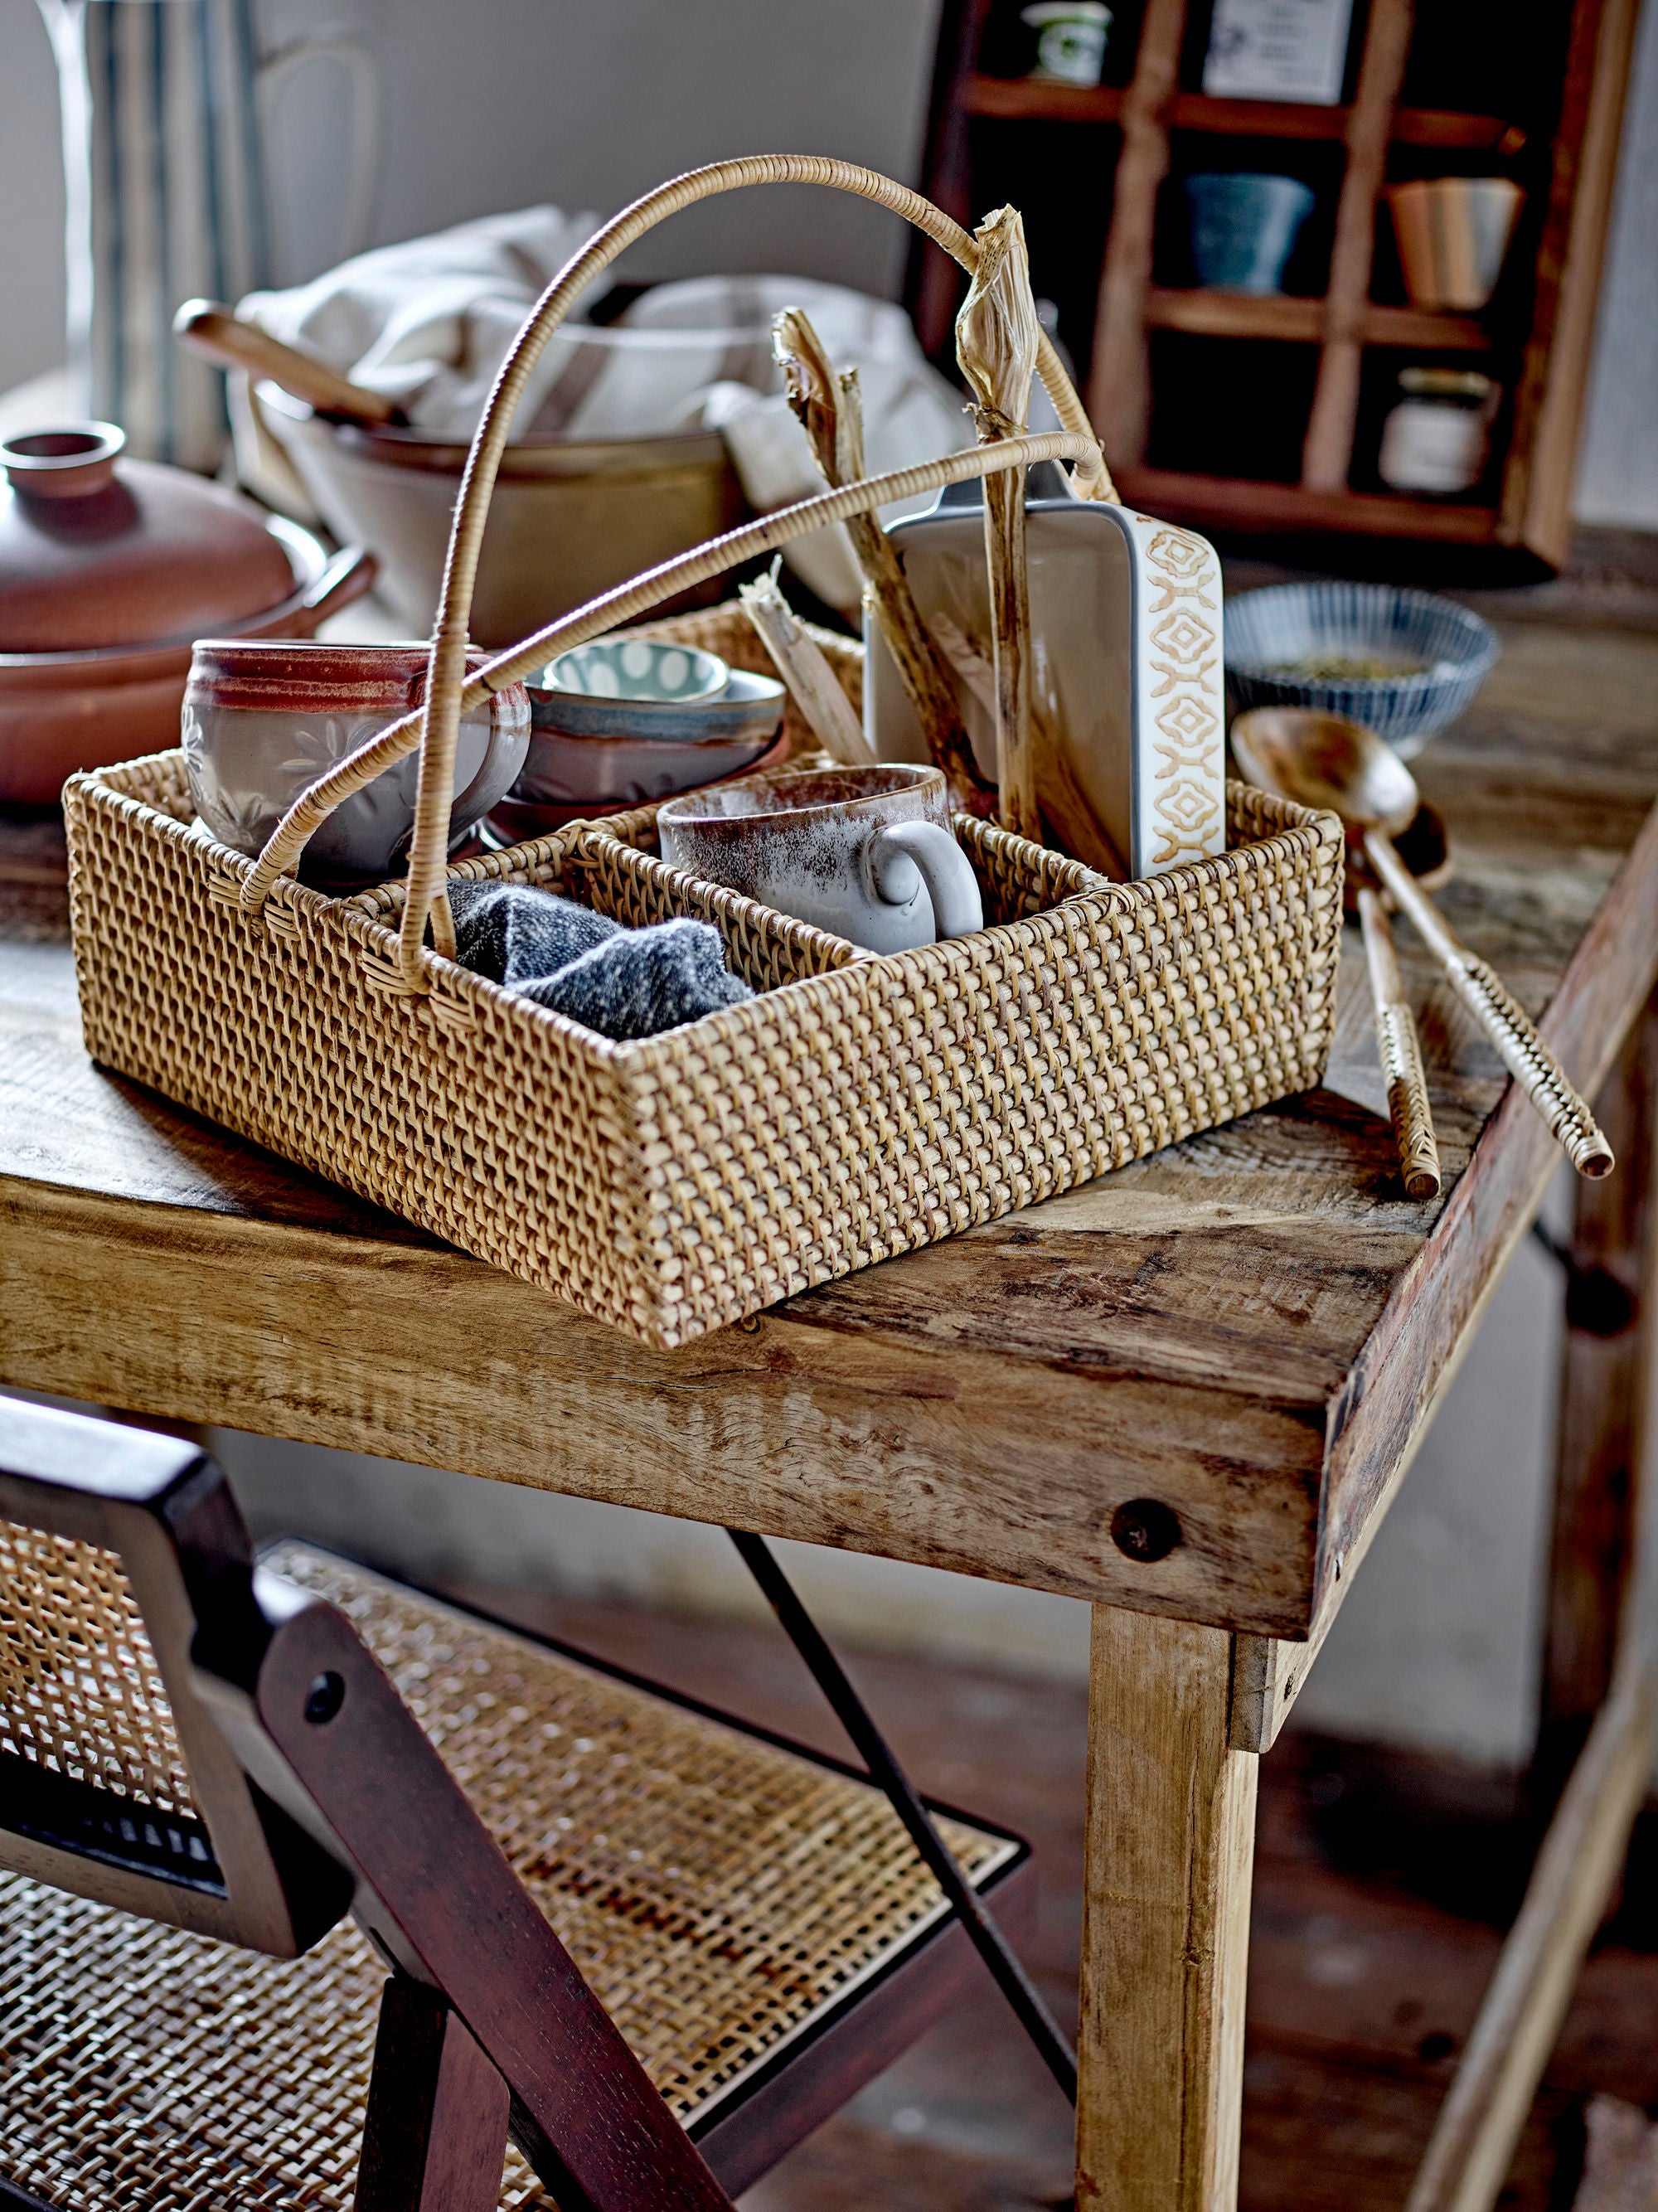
866 853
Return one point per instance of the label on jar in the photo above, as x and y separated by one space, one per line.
1428 445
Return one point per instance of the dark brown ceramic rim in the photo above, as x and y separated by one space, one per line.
1425 848
309 675
804 792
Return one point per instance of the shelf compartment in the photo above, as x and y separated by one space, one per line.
1570 92
1211 315
1031 99
1244 504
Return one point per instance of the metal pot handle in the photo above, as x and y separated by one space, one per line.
345 579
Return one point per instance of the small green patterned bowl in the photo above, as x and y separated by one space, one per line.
639 668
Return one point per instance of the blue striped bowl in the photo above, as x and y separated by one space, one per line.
1454 650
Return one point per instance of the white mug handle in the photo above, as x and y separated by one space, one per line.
895 855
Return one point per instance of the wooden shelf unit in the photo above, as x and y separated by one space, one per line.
1276 315
1536 336
1026 101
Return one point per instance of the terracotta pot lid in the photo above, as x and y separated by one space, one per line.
96 551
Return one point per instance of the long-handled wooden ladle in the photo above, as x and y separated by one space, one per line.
1326 760
217 332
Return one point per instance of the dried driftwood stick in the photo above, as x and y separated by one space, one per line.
997 341
811 682
830 409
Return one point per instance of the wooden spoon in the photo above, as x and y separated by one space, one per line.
208 328
1326 760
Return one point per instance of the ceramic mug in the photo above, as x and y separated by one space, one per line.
264 719
1454 234
866 853
1244 226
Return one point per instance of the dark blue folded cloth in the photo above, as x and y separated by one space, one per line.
621 983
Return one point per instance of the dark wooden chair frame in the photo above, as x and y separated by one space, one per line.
296 1743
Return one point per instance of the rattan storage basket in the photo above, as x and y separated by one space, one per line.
857 1108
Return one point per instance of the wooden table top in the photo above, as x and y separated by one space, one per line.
1251 1329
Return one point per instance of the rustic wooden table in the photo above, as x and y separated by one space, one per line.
1187 1392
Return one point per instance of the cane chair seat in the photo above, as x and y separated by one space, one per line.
721 1894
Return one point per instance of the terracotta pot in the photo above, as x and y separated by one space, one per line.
110 569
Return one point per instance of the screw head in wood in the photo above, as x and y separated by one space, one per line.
324 1698
1144 1529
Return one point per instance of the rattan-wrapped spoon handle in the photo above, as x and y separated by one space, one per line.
1504 1021
1401 1054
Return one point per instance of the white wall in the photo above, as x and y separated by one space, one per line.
32 198
503 103
1617 476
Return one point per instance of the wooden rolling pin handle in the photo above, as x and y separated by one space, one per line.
1401 1055
209 329
1507 1023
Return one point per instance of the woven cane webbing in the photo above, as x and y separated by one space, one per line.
717 1891
904 1098
79 1691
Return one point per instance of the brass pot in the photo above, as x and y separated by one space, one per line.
569 519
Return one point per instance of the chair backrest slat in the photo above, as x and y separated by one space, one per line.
116 1780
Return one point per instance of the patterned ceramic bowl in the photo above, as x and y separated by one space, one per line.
1286 647
645 669
621 764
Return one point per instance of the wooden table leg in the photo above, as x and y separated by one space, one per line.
1171 1840
1607 1348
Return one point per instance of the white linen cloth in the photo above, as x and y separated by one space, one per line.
428 322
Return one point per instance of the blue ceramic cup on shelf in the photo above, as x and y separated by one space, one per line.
1244 226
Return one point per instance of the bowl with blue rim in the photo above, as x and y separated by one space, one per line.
1405 662
622 721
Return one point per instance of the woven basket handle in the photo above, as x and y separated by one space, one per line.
436 727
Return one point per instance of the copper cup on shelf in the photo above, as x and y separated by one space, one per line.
1454 234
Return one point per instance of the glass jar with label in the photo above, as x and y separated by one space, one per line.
1437 436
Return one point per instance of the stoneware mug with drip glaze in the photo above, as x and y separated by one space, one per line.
866 853
263 720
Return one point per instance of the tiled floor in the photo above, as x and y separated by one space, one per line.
1377 1920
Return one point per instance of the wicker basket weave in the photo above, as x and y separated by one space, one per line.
859 1108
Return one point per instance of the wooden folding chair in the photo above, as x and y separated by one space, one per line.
245 1814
